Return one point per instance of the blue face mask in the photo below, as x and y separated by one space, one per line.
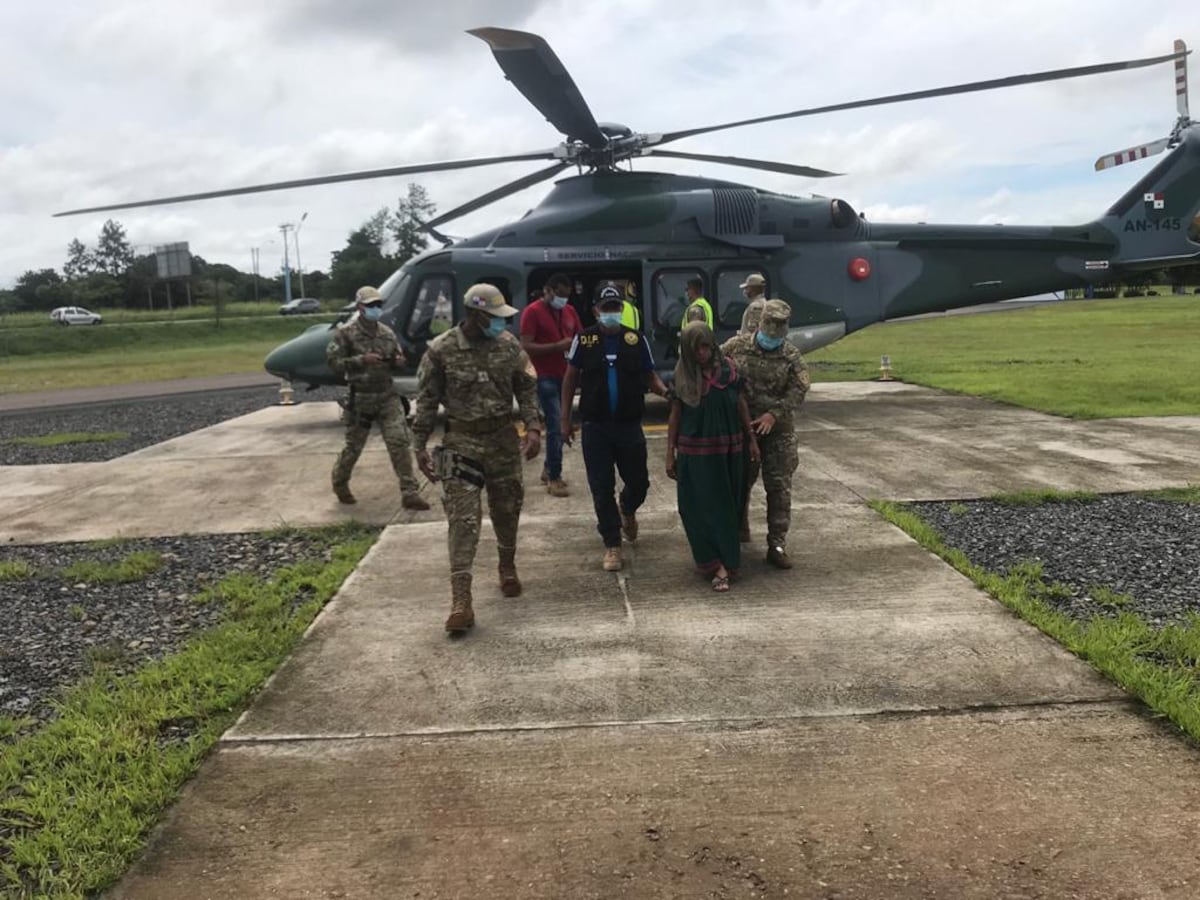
768 343
610 320
558 302
372 313
494 328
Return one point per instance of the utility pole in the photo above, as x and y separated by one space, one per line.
254 269
287 266
299 265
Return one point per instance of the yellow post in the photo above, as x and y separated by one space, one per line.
885 368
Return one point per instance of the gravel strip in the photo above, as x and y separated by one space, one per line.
147 421
53 628
1146 549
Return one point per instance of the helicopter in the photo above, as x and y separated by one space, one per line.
651 232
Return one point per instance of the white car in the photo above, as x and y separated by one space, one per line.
75 315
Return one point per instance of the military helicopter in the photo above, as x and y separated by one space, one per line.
651 232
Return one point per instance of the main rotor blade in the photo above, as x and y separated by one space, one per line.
990 84
492 196
537 72
323 179
766 165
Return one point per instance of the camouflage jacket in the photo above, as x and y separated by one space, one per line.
475 381
351 342
776 382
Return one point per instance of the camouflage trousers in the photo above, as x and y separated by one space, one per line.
499 455
386 411
780 458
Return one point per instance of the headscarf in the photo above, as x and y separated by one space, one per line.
692 381
753 315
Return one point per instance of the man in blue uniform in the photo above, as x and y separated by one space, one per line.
613 367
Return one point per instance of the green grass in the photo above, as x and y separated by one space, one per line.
86 357
179 314
16 570
1190 494
1093 359
1159 666
132 567
107 543
1109 598
80 343
78 796
1042 497
69 437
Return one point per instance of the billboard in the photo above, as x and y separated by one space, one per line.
174 260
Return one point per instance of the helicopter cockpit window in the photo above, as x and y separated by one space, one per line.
433 311
670 296
730 299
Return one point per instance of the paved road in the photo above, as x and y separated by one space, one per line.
23 402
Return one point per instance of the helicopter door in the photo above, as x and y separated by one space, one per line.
586 282
669 303
729 300
433 312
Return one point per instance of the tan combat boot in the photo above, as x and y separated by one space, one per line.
414 501
556 487
777 555
629 526
462 616
612 559
510 584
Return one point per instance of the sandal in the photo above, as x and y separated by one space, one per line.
720 583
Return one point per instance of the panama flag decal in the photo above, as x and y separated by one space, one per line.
1155 200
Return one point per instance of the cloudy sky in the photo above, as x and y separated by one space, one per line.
116 100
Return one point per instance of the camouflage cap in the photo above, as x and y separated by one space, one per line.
775 316
367 294
754 280
489 299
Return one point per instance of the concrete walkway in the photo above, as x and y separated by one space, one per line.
867 725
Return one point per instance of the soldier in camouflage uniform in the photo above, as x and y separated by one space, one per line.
474 370
776 382
366 353
753 289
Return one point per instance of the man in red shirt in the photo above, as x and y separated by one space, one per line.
548 327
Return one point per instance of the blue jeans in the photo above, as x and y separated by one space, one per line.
549 392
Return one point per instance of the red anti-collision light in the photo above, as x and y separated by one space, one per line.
860 269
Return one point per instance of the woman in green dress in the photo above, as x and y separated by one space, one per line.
708 439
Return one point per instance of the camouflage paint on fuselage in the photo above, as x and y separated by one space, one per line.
638 223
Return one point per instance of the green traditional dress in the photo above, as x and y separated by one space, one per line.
711 472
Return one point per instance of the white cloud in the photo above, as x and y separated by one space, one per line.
113 100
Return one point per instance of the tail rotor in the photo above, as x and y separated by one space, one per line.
1182 123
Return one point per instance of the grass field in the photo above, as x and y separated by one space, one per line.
122 354
1096 359
178 314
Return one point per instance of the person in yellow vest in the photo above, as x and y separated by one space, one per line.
631 317
698 309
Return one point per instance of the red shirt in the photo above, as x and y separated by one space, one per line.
543 324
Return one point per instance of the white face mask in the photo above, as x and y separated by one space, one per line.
558 302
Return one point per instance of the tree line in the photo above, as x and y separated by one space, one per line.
111 273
